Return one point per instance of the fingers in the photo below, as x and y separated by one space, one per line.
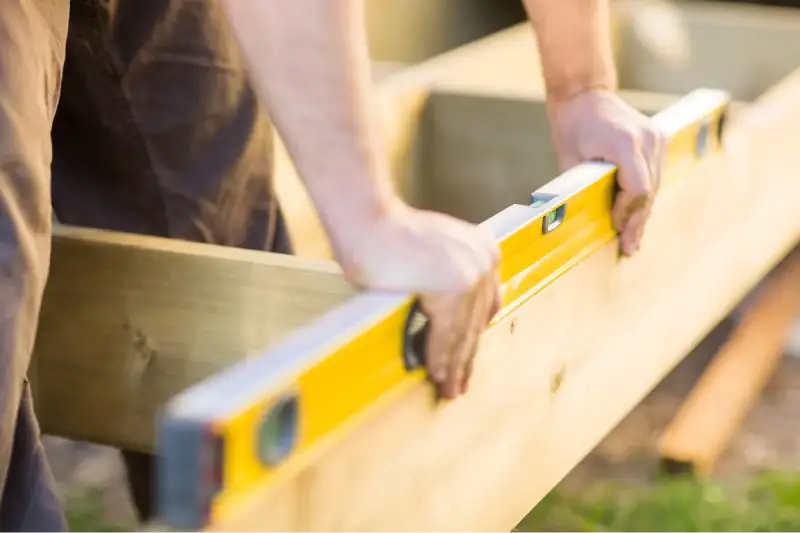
495 302
450 317
633 231
639 160
439 308
456 323
632 200
465 345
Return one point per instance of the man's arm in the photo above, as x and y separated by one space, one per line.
310 64
575 45
309 61
588 119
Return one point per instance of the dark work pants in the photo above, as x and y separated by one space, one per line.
131 115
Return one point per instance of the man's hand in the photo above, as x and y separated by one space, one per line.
309 61
452 266
588 120
598 125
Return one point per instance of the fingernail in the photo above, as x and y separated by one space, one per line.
437 374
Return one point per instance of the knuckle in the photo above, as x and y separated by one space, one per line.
637 173
436 368
649 138
469 281
466 272
626 140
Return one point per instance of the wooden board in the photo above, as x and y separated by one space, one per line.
552 379
127 321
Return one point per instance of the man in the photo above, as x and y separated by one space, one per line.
158 131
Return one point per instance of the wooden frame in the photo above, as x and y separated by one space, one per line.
555 378
121 329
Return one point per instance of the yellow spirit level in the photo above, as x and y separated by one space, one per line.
265 418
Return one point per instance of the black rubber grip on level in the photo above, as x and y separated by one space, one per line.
415 338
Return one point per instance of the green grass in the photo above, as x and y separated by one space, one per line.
769 502
85 513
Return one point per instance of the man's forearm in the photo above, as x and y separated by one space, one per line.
309 61
575 45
